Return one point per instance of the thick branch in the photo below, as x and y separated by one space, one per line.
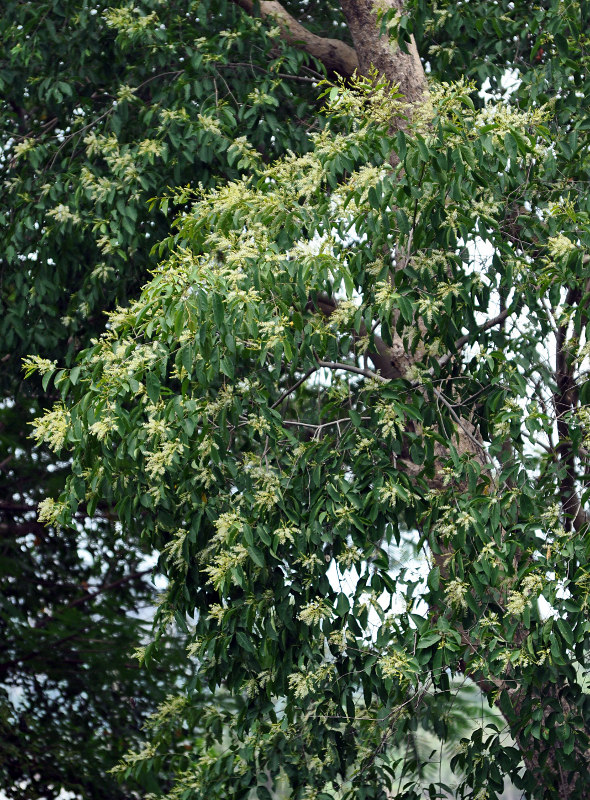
93 595
565 399
336 56
377 50
463 340
391 362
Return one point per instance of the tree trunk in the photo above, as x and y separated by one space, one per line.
405 70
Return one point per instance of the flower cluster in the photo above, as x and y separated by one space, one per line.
52 428
315 611
303 683
456 593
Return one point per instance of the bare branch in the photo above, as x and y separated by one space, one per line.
368 373
463 340
256 68
107 587
461 423
336 56
320 426
291 389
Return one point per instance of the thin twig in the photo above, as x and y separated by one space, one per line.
107 587
319 426
463 340
296 385
107 112
457 419
257 68
368 373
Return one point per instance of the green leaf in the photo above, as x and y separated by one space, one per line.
244 642
422 148
46 379
565 630
218 311
355 417
256 555
401 145
428 640
342 605
434 579
511 146
152 387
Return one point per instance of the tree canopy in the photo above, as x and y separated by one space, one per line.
365 329
102 107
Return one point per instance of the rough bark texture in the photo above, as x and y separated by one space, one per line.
566 400
405 70
376 50
336 56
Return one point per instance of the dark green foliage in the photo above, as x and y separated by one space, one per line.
266 486
231 417
102 107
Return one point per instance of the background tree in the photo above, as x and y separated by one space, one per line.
102 106
342 347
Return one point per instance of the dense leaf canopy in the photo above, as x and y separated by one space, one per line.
102 107
373 334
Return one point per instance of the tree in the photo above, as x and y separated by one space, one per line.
379 335
102 106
